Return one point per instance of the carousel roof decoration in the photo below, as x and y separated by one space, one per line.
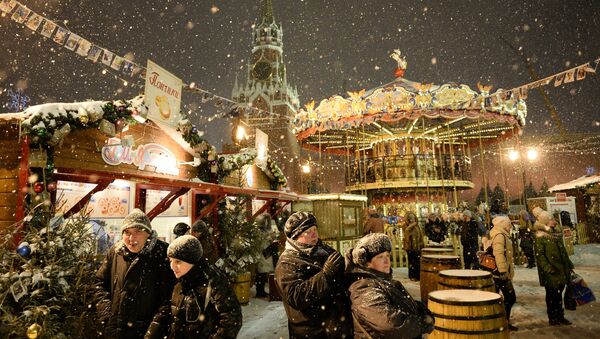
449 110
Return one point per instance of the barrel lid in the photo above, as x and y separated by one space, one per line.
465 273
440 256
464 297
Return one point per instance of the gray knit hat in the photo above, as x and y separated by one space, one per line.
298 223
186 248
369 246
137 218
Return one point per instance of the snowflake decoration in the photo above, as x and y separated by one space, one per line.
17 100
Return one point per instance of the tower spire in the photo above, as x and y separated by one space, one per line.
268 12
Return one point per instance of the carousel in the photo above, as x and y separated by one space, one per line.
407 145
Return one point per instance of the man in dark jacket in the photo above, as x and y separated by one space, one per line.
134 282
310 275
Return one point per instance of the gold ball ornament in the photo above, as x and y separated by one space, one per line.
34 331
84 119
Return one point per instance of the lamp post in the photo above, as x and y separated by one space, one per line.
532 155
305 171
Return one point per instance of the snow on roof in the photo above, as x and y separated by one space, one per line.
12 116
579 182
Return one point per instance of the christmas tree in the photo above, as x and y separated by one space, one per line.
46 284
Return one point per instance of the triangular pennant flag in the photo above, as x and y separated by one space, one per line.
569 76
581 72
559 79
546 81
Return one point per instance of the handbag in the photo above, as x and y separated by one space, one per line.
487 261
581 291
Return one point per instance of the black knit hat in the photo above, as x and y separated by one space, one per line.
181 228
369 246
298 223
186 248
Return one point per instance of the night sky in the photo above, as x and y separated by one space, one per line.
329 47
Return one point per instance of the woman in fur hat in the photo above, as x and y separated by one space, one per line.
503 252
381 307
203 304
554 266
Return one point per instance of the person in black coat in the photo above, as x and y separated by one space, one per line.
134 283
381 307
203 304
310 277
469 239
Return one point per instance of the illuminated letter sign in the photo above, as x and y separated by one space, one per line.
154 155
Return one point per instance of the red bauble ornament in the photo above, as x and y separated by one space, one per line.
38 187
51 187
399 72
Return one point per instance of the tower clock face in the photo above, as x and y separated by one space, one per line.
262 70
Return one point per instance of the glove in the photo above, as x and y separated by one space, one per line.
334 264
502 276
427 325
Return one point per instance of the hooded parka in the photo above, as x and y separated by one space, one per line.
554 265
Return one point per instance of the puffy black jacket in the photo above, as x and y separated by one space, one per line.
383 308
133 289
193 316
315 301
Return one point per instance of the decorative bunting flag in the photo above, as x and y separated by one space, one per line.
559 79
84 47
48 28
569 76
34 22
107 57
60 36
72 42
21 14
94 53
117 63
581 72
7 5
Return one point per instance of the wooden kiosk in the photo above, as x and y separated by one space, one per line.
339 217
112 169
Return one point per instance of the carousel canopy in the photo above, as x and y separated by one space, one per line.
406 109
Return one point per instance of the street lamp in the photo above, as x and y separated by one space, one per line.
532 155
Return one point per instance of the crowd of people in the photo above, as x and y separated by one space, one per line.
147 288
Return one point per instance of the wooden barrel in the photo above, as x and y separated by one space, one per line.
241 287
466 280
467 314
430 266
437 251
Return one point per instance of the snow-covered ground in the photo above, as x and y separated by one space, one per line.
264 319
